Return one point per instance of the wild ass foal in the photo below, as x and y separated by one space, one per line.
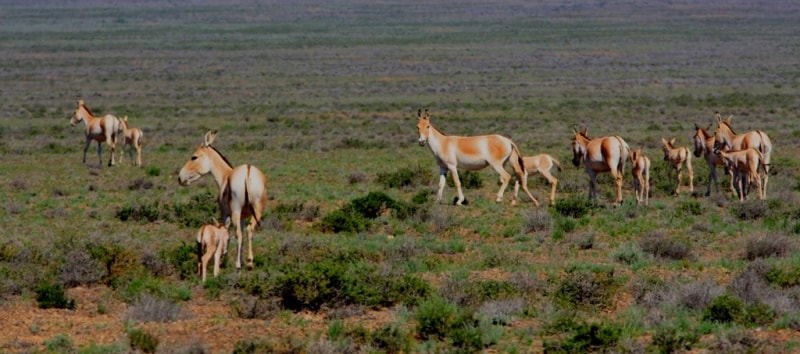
726 136
745 165
242 190
677 157
102 129
542 164
471 153
131 136
641 176
606 154
212 241
704 145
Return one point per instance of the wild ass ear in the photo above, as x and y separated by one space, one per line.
419 113
728 120
672 141
209 138
81 103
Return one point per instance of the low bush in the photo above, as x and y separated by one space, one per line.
767 246
573 206
586 287
52 295
148 308
724 309
59 344
80 269
119 263
356 216
671 339
468 179
586 337
183 258
661 245
751 209
142 341
537 221
405 177
252 307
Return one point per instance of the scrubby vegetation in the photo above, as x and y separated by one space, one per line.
352 254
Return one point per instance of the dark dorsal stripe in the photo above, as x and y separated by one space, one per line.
222 156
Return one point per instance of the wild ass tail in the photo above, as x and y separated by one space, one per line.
257 218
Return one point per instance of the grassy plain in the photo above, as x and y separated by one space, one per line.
323 98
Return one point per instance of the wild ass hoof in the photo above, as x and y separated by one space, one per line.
463 202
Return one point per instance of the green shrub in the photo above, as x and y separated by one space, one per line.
784 277
355 216
59 344
689 208
435 317
391 339
409 290
586 337
758 314
573 206
661 245
143 213
142 341
405 177
153 171
724 309
118 262
51 295
183 258
670 339
343 220
587 287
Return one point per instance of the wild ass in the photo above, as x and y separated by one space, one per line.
676 157
131 136
726 136
745 165
704 145
542 164
640 170
606 154
471 153
212 241
242 190
102 129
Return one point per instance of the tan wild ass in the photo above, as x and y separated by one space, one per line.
726 136
641 176
242 190
102 129
745 165
704 145
677 157
606 154
471 153
131 136
542 164
212 241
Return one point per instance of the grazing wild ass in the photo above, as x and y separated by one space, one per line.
542 164
242 190
704 145
102 130
212 241
606 154
471 153
641 176
131 136
745 165
726 136
677 157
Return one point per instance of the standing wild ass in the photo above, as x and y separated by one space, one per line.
677 157
472 153
641 176
726 136
704 145
212 241
131 136
102 129
242 190
606 154
745 165
542 164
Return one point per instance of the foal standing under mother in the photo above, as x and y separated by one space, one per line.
242 190
102 129
725 136
606 154
472 153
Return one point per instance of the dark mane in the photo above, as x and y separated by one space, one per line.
222 156
731 128
88 110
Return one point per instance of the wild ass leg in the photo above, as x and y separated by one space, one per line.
690 171
618 181
85 149
236 220
457 183
210 251
553 183
678 178
250 230
442 182
99 154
